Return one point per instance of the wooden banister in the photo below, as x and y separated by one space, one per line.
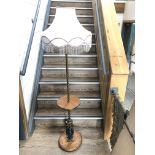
23 111
118 64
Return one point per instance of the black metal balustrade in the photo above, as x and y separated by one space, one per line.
119 118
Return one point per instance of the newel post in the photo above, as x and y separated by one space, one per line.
118 64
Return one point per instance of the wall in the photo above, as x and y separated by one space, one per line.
27 14
120 20
29 8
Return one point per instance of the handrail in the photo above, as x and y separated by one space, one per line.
35 89
113 38
117 59
103 63
33 107
23 71
103 60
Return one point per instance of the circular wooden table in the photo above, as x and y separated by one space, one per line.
73 103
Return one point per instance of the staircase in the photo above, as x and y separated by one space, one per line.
92 76
84 80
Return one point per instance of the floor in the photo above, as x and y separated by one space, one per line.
44 141
125 145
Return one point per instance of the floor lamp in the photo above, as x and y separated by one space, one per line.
67 36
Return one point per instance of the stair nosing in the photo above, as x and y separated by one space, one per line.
76 8
71 79
42 95
83 1
72 117
71 56
78 16
56 98
71 83
81 24
70 68
71 1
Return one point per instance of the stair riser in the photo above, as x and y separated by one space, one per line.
74 61
71 4
72 73
60 123
78 11
82 20
72 87
83 104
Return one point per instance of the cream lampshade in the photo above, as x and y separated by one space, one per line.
66 30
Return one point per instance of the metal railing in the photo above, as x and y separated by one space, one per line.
34 21
37 75
33 108
103 59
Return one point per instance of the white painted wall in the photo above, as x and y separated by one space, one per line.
129 11
27 14
128 15
27 81
133 59
120 17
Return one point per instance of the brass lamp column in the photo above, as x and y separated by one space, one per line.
70 140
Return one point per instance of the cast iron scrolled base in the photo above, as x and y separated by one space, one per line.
70 146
